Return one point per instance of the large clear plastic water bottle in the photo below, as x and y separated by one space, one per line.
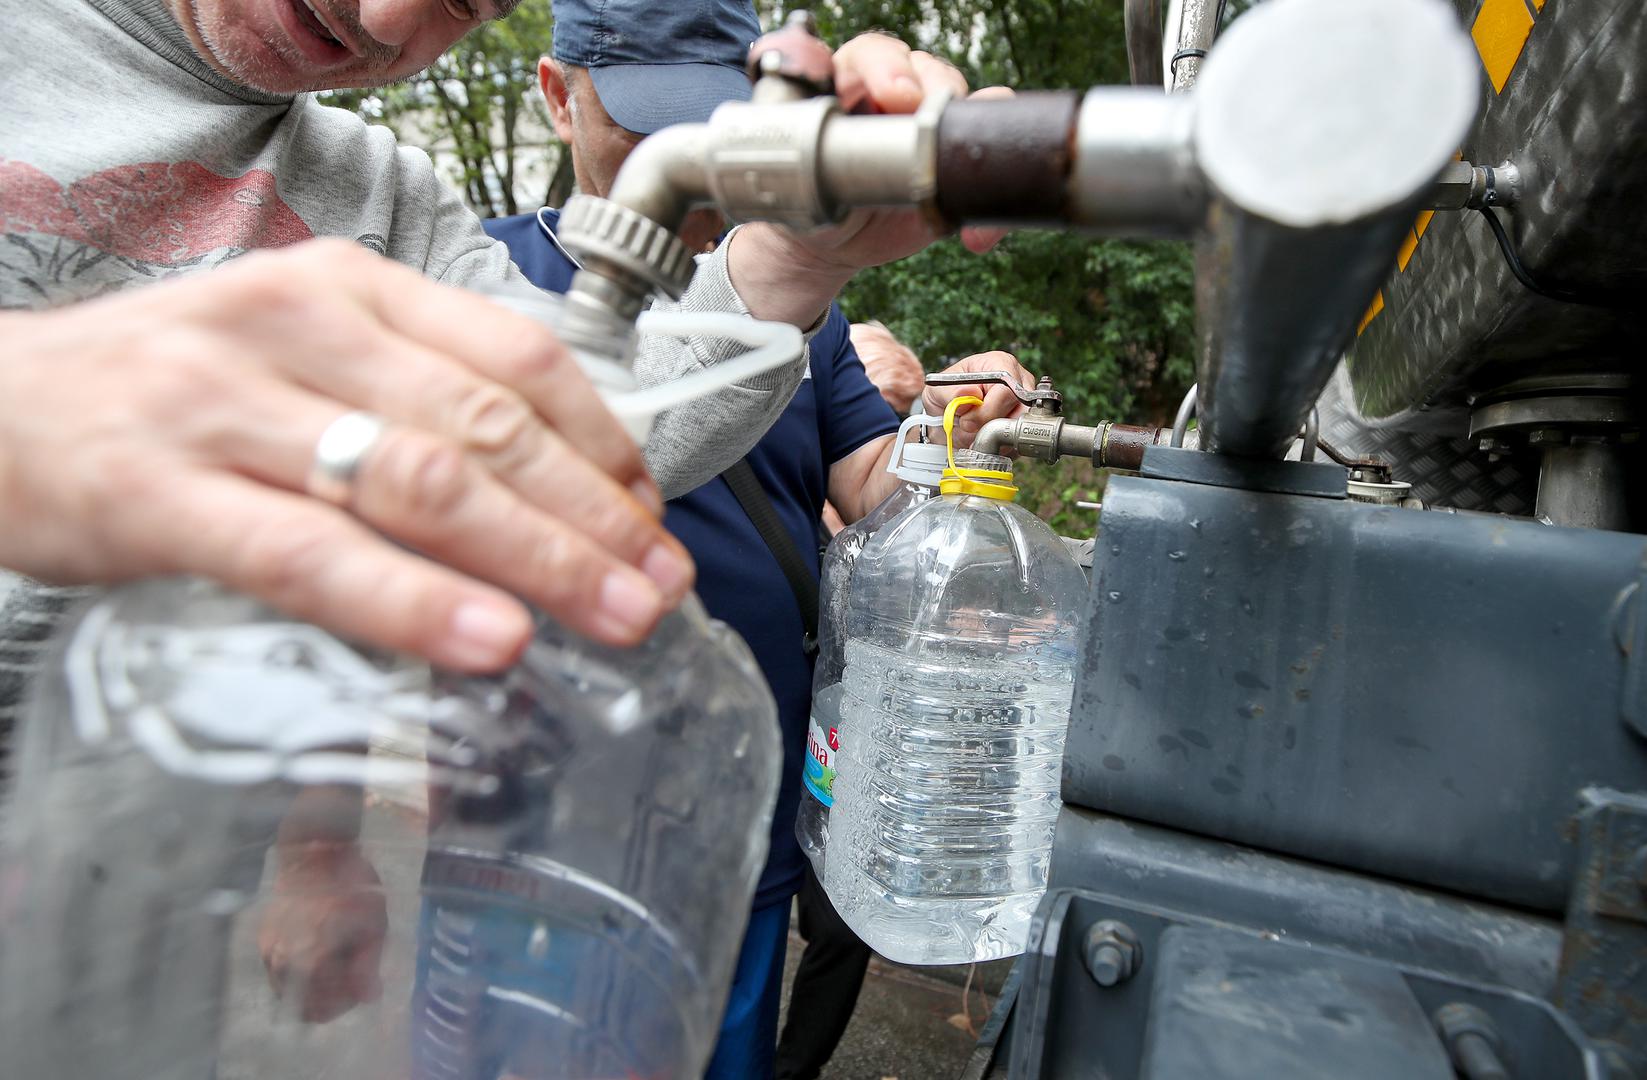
920 466
961 632
238 847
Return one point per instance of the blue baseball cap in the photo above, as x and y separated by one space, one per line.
655 64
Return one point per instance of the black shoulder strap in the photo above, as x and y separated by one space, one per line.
746 487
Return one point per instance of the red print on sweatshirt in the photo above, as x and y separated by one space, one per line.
129 223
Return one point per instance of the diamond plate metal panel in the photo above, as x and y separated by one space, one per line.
1573 117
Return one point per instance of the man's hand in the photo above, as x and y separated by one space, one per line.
859 481
890 364
791 277
999 402
170 430
321 936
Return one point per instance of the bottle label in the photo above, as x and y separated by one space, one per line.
819 776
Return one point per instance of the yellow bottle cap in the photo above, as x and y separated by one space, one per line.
988 483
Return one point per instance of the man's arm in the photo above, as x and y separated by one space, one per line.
859 481
695 442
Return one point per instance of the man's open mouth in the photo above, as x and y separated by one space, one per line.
310 17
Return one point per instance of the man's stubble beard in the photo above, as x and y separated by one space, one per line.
224 55
245 67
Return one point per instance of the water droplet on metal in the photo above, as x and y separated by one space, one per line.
537 946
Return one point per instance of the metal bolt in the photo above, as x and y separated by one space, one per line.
1113 954
537 945
1472 1040
1109 965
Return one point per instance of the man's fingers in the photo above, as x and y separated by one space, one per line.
320 565
885 74
498 525
427 492
876 69
991 93
998 402
499 429
505 347
979 240
383 302
937 74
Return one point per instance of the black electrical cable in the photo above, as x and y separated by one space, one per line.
1184 54
1520 271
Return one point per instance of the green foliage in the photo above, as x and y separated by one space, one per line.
479 102
1027 44
1051 492
1109 321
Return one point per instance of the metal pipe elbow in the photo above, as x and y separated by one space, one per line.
665 175
996 435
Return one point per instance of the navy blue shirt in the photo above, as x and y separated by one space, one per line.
835 411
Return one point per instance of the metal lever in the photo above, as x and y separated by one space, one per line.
1042 397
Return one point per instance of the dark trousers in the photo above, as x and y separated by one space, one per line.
827 982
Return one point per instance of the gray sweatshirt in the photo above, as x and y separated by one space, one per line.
125 159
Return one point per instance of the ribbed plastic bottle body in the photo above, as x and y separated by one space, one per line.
823 726
961 634
242 848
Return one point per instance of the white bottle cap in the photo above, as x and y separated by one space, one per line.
918 463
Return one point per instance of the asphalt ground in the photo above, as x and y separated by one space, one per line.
911 1023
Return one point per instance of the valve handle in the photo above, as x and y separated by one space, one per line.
1043 395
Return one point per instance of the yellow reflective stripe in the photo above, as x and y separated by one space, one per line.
1405 254
1500 33
1373 309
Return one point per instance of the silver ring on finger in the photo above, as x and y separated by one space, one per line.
339 454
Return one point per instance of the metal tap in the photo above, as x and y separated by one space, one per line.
1297 191
1043 433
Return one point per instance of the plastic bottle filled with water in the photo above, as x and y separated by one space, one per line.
960 634
920 466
